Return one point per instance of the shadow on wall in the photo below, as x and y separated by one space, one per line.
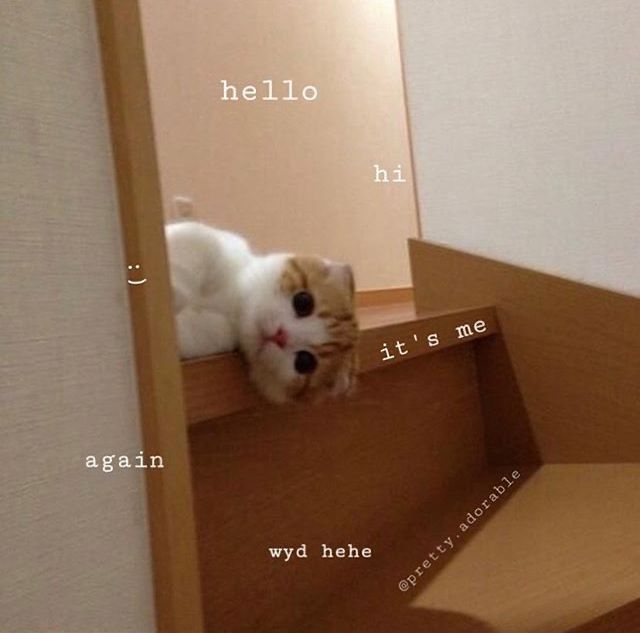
509 434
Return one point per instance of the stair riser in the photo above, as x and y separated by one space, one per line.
331 474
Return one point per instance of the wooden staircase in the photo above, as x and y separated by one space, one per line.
398 468
554 395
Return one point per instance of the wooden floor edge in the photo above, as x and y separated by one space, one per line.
384 296
218 385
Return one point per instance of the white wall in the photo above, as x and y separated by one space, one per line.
74 551
525 119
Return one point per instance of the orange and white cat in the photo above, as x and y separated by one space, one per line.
291 316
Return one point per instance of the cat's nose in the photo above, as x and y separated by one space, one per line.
280 338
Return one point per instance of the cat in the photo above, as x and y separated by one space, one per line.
291 316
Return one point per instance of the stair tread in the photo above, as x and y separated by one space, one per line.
559 550
218 385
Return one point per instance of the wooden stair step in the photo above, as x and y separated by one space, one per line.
558 553
356 470
348 470
218 385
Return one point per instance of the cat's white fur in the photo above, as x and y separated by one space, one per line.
226 297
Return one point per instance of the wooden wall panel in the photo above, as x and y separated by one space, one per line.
574 349
171 520
334 474
289 176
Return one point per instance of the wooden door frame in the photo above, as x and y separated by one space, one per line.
164 429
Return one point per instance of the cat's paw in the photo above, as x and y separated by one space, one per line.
203 332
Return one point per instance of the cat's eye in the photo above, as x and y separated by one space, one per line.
305 362
303 303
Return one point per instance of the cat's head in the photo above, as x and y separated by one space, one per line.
298 329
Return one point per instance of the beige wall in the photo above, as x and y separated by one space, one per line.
294 176
74 551
526 131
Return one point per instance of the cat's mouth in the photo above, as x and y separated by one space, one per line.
279 338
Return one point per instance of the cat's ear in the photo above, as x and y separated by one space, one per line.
341 274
